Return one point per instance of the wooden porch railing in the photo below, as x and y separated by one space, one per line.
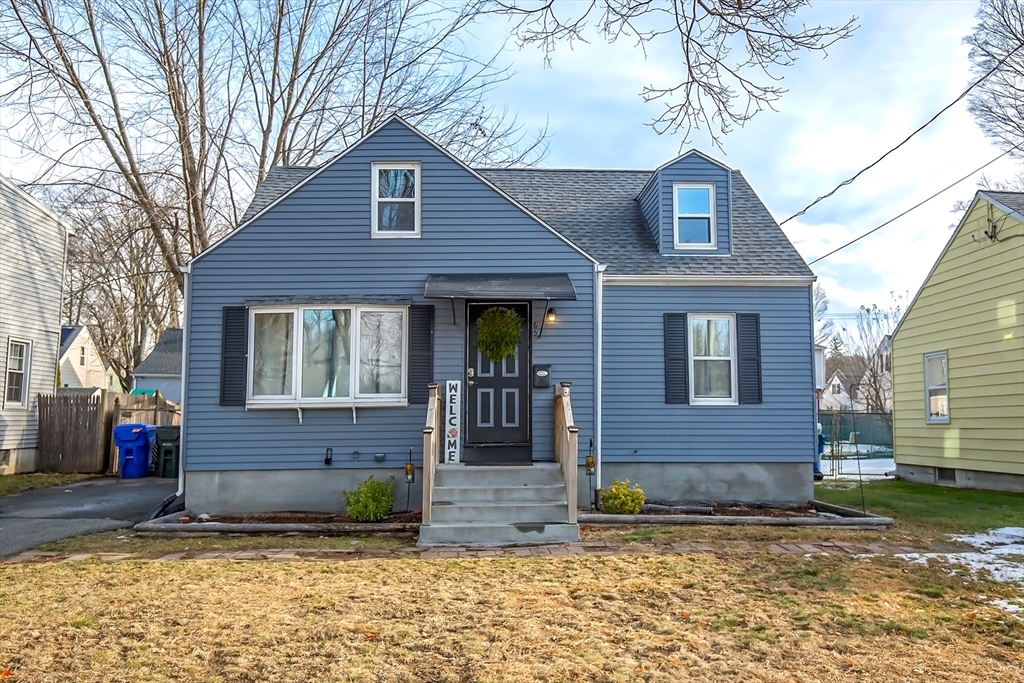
567 445
433 435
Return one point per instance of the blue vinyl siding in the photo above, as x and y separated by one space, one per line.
651 207
693 168
316 242
638 426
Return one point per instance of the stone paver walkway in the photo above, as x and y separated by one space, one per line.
564 550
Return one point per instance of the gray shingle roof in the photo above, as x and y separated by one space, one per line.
279 180
67 335
1014 200
165 358
597 210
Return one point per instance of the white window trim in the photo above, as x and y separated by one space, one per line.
928 417
355 399
375 198
26 387
82 358
676 215
698 400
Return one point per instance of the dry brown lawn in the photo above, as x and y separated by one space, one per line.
631 617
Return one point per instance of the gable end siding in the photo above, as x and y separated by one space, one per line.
971 307
316 243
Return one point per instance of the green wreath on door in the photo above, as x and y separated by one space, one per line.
497 333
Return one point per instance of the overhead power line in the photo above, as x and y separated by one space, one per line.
915 206
905 141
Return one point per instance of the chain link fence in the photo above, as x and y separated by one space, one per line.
856 444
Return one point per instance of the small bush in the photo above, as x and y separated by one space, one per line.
371 501
620 499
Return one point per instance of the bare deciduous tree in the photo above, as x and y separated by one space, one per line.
823 327
865 346
183 106
731 50
998 102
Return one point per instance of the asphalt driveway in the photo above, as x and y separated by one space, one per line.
35 517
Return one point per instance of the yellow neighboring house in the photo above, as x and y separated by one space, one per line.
958 357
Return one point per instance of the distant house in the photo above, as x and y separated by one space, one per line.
161 369
314 330
958 356
839 394
80 364
33 245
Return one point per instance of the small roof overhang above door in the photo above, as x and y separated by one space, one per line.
501 287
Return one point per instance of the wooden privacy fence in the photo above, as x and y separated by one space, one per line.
76 432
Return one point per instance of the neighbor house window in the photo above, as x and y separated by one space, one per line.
81 357
936 386
713 358
694 215
17 373
396 199
345 355
837 388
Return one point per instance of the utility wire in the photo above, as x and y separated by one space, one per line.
926 124
921 203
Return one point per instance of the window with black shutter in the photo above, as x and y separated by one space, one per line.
421 352
676 359
234 355
748 333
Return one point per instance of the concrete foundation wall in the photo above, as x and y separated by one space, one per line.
967 479
289 490
689 483
18 460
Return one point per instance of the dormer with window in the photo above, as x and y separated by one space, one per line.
687 206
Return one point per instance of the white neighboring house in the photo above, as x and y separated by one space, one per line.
33 248
836 395
161 369
80 365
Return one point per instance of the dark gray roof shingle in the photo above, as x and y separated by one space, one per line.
165 358
279 180
1013 200
67 335
597 210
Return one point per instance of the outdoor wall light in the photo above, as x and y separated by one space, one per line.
551 315
329 456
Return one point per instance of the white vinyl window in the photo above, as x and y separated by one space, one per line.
694 215
327 355
712 358
396 199
81 357
19 358
936 387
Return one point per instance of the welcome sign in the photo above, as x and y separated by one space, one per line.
452 420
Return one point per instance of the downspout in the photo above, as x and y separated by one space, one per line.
599 269
187 272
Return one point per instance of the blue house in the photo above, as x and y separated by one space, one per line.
664 327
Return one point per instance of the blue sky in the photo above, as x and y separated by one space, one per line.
905 63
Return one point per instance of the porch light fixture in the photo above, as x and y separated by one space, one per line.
551 316
548 317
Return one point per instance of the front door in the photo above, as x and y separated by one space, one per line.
498 396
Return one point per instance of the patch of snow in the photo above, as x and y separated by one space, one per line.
1007 606
1008 535
1002 570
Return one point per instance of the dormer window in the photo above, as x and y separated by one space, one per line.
694 215
396 199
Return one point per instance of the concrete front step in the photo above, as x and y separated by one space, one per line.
539 493
538 474
500 513
494 535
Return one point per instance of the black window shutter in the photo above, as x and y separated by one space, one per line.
421 352
748 332
234 355
676 361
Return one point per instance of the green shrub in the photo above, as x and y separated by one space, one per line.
371 501
620 499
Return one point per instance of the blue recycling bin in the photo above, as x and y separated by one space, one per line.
134 446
